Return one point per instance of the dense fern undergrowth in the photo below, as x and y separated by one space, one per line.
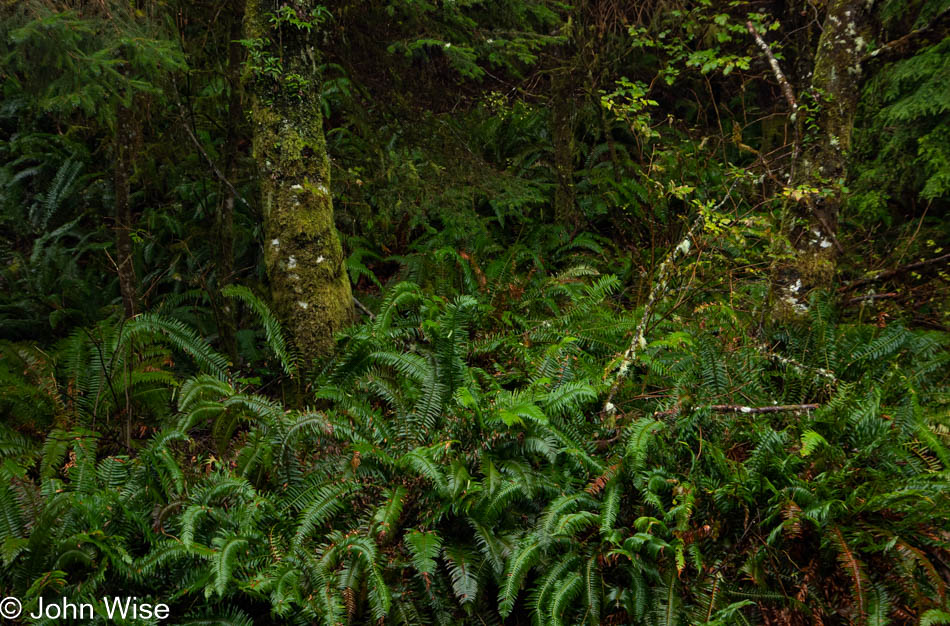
454 465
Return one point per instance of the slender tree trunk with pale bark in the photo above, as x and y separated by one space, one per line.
825 119
125 139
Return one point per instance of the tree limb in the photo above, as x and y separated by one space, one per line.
911 42
893 272
751 410
657 293
872 296
363 308
201 150
776 69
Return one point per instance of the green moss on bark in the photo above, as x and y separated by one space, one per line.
303 255
826 120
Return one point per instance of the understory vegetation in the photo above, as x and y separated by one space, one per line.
570 391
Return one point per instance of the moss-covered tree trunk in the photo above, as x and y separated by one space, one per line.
309 285
825 120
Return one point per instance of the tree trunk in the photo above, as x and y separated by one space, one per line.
125 139
819 167
225 217
224 226
562 136
304 259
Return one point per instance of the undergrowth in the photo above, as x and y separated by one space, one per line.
454 465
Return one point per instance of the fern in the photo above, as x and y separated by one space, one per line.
55 195
639 438
226 560
182 337
463 567
934 617
387 516
567 590
320 505
272 328
855 571
424 548
523 559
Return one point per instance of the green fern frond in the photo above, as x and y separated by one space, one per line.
181 337
272 329
424 547
226 559
526 556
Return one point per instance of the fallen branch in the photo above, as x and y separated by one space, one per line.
751 410
778 408
211 164
799 367
363 308
659 291
871 296
894 272
656 294
776 69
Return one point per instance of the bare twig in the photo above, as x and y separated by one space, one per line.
894 272
751 410
776 69
657 293
820 372
363 308
872 296
776 408
211 164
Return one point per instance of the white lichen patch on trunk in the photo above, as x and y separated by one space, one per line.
809 261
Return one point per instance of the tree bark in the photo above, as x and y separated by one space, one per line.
225 217
302 251
224 226
562 136
825 119
125 139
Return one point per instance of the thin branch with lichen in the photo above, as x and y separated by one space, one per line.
659 291
776 68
